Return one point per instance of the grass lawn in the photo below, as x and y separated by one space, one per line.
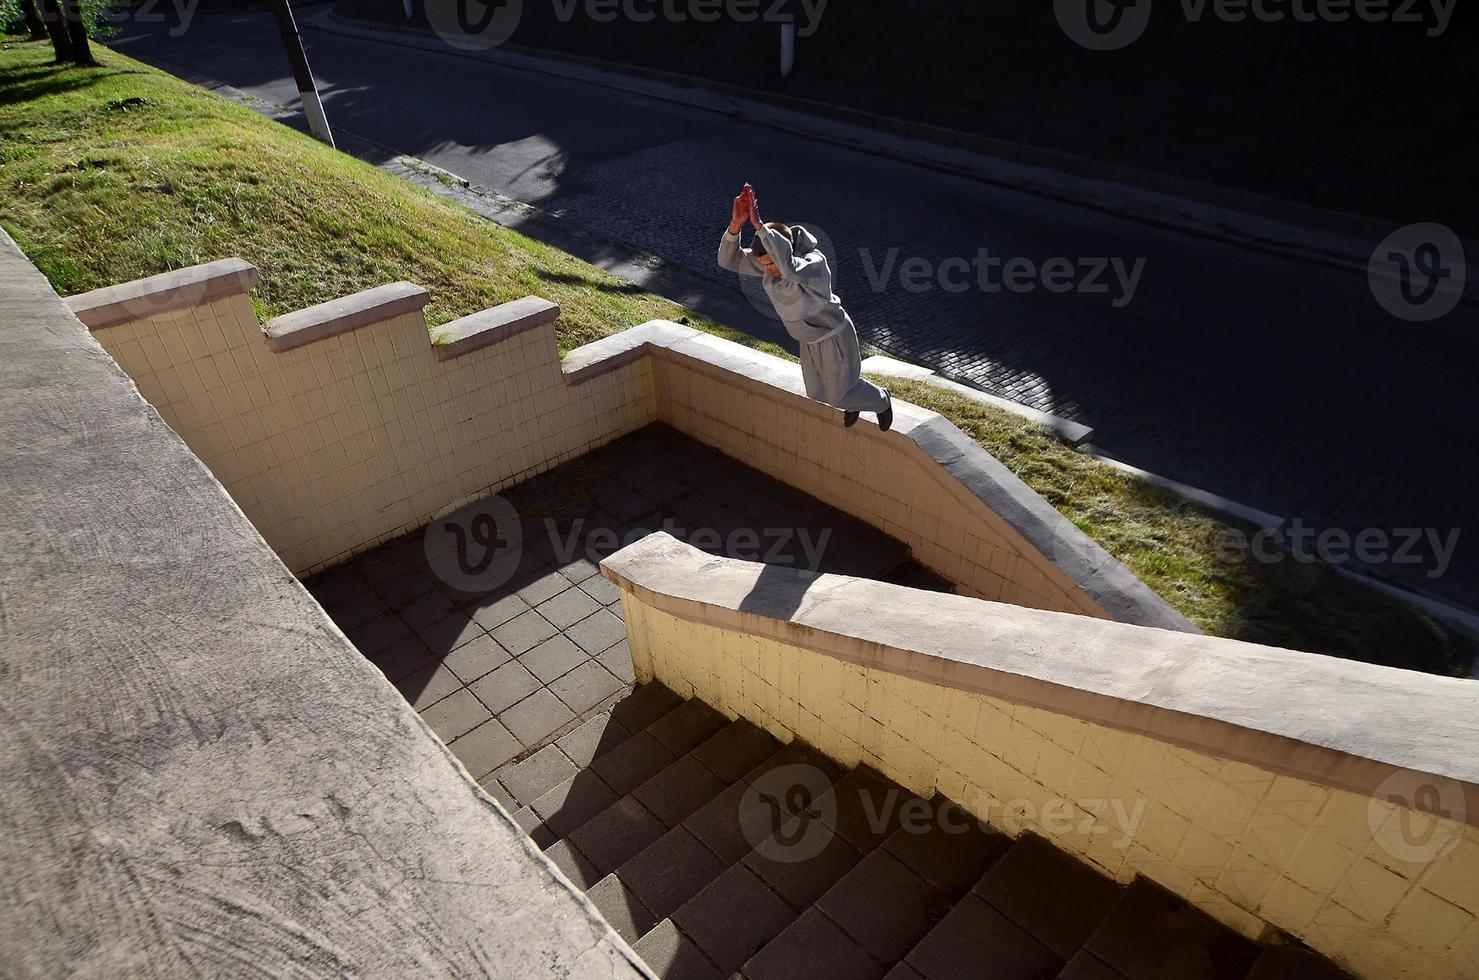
121 172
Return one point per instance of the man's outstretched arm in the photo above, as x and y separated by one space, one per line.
731 255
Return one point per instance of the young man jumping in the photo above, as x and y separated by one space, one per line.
799 283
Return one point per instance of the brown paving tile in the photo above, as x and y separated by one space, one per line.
633 762
949 848
428 685
335 585
616 833
598 632
736 749
402 657
801 883
812 947
1085 966
456 715
586 686
524 632
644 706
536 718
568 859
973 933
1031 885
405 588
687 725
680 789
476 658
424 610
884 906
505 686
670 871
568 608
1151 934
356 610
552 658
733 917
485 748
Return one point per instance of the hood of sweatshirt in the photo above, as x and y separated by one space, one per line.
805 240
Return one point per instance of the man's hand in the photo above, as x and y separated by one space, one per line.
754 206
740 211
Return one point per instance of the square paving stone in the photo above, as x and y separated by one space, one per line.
683 728
485 748
451 632
733 917
492 612
867 808
670 871
717 825
595 737
578 571
616 833
903 971
426 609
524 632
403 657
633 762
505 686
974 933
425 687
405 588
618 660
1050 893
375 635
536 718
456 715
586 686
490 785
476 658
679 790
553 658
812 947
335 585
543 586
1151 934
573 802
598 632
356 610
601 589
568 608
1085 966
530 779
673 956
884 906
626 913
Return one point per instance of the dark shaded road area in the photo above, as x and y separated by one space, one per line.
1280 384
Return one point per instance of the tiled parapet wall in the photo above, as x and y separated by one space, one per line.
339 426
925 482
1268 787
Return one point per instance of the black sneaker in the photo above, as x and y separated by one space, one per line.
886 417
849 419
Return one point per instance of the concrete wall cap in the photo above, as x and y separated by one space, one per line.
1261 705
344 314
178 289
492 326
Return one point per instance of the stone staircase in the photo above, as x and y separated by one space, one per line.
717 851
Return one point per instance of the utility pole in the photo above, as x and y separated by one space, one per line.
313 109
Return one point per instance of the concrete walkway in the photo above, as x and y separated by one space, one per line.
1278 384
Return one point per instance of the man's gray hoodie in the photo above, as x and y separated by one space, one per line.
831 362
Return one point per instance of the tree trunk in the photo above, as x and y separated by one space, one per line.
56 29
34 24
77 31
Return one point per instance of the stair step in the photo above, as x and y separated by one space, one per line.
1151 934
973 933
1087 966
1028 884
812 947
673 956
1287 961
894 895
734 916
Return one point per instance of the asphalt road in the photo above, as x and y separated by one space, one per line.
1277 383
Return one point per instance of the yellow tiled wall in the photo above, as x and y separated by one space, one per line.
885 480
1336 869
332 447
